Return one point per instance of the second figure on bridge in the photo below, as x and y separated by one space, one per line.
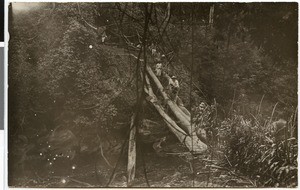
174 86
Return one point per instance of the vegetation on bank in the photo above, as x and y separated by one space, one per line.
237 73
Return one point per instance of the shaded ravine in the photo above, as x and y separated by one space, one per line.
170 168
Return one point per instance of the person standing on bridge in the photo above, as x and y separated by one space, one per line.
174 86
163 58
165 63
152 49
158 69
157 56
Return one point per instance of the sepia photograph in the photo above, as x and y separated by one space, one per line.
165 94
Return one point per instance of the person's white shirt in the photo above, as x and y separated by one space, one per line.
171 82
158 69
176 83
158 66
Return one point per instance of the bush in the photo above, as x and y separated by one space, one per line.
265 151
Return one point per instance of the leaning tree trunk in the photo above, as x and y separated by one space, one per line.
184 132
191 142
184 119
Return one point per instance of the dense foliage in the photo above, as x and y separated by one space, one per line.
232 71
255 147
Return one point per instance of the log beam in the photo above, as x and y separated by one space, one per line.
131 164
183 119
191 142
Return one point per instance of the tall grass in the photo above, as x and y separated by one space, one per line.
264 150
256 146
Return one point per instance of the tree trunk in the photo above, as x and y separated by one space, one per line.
131 164
191 142
184 130
184 110
167 19
184 120
211 16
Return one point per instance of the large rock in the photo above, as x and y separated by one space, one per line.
152 131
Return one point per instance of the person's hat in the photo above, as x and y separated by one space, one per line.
173 77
